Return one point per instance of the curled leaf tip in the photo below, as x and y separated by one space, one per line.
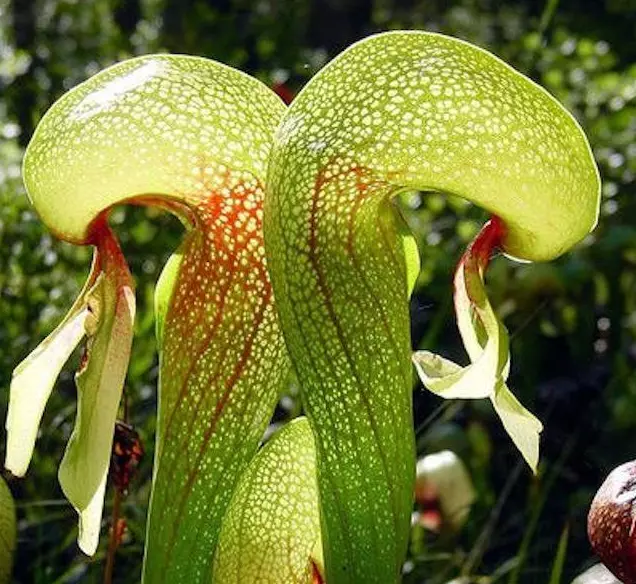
487 344
102 315
90 520
33 379
31 386
100 381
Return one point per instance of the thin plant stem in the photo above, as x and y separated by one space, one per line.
559 559
113 542
436 413
549 10
529 319
538 508
476 553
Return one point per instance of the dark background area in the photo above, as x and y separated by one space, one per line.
572 322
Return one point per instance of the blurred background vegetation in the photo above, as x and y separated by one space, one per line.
573 322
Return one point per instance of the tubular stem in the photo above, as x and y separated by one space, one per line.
113 542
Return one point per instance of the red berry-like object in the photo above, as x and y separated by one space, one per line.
611 522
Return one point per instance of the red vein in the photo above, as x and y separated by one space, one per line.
326 293
211 429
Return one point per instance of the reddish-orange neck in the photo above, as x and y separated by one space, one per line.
488 239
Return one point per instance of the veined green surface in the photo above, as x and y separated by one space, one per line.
272 526
192 136
395 111
7 532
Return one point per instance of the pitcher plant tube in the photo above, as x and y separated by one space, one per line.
312 188
271 531
191 136
398 111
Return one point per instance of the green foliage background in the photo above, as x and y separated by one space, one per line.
573 322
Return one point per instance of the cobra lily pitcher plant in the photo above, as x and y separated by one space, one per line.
295 260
